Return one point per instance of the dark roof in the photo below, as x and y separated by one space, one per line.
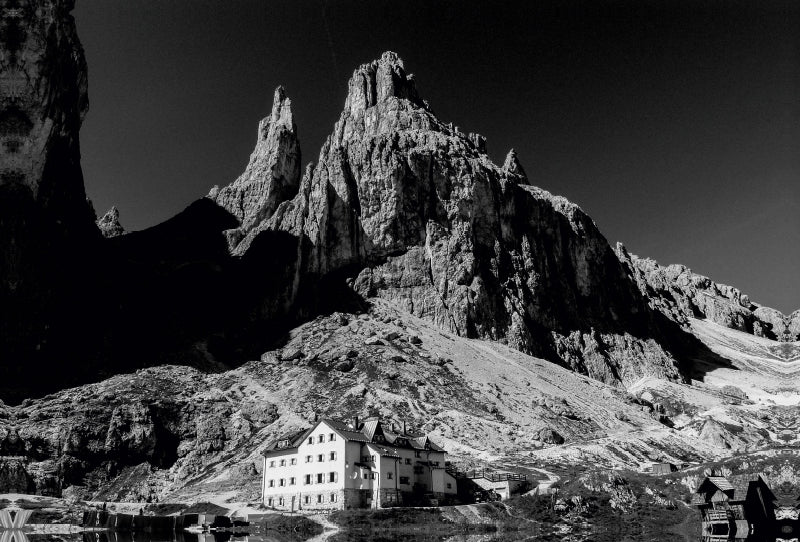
385 451
370 431
736 487
344 429
292 441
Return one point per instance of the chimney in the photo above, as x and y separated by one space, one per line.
355 423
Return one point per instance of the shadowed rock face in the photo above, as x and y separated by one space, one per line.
46 223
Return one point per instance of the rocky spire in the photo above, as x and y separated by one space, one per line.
513 167
272 175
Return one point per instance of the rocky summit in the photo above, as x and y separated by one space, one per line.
403 274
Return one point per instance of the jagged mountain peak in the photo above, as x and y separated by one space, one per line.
281 111
378 81
272 174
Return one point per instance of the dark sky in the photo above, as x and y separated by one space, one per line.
675 125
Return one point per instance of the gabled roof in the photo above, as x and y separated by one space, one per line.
371 431
372 428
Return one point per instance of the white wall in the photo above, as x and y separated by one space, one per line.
278 472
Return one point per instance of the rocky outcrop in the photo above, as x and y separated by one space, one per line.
512 167
681 294
129 437
109 224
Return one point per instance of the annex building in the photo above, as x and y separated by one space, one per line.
337 464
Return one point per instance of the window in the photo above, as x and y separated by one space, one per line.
321 439
319 498
320 478
388 475
333 497
308 479
408 461
333 456
449 485
306 499
280 501
404 480
309 459
283 462
282 482
331 437
272 483
311 440
418 470
372 475
417 454
333 477
320 458
294 461
292 481
269 502
271 464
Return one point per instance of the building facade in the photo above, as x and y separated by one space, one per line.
336 464
736 508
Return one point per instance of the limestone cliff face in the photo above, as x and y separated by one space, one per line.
45 219
681 294
414 211
43 93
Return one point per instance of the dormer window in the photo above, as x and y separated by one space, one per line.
379 438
